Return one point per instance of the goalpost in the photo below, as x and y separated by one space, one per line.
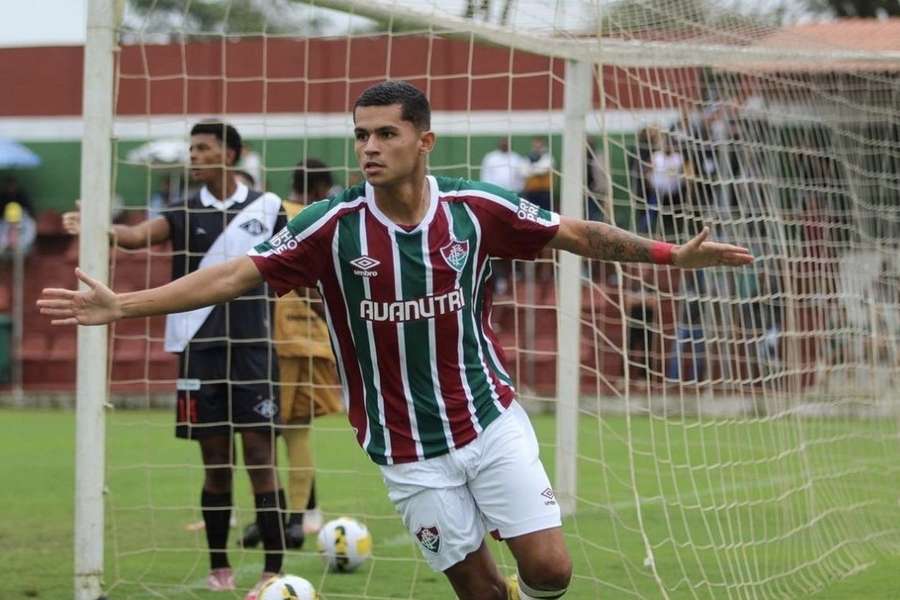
730 433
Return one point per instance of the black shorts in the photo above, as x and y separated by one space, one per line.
218 397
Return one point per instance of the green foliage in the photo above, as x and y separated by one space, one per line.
856 8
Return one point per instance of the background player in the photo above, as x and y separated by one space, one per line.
226 362
309 383
402 263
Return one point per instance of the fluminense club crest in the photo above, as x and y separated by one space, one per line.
430 538
456 253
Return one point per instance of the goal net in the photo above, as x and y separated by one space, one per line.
730 433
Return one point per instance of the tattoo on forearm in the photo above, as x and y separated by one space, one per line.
605 242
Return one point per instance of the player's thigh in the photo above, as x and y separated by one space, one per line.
542 558
251 395
436 508
511 487
201 407
476 577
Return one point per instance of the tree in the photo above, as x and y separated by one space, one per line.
856 8
201 17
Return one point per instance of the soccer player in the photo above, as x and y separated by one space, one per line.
226 362
402 263
309 384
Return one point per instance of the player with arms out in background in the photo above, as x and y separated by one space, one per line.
402 262
226 361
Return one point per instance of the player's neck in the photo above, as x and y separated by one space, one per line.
405 203
222 187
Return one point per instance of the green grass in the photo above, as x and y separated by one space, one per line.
731 509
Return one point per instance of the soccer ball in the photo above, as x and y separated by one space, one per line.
288 587
344 544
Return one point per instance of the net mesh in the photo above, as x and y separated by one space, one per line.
737 429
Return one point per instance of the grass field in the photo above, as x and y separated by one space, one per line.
731 509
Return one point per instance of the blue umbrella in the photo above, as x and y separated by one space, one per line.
14 155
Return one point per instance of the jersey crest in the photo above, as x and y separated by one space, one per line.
456 253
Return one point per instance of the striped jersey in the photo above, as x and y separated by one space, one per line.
409 308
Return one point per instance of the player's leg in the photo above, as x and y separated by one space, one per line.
513 492
216 502
296 412
543 562
439 511
477 577
254 411
201 415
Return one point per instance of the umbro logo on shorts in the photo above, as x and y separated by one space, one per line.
267 408
549 495
430 538
253 227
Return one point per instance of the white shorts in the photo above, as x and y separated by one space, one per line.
495 483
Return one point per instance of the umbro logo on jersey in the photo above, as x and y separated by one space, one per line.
253 227
364 265
199 231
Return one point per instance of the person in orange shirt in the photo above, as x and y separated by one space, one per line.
309 384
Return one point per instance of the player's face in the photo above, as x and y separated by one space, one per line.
388 148
208 157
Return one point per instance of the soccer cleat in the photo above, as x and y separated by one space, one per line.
512 587
312 521
220 580
253 594
294 534
251 537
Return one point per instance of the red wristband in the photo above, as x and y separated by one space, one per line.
662 253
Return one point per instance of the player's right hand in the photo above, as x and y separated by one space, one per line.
97 305
71 220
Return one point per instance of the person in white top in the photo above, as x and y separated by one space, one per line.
504 167
667 181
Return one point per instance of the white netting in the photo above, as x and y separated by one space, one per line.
738 429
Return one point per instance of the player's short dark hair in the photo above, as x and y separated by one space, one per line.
225 133
414 105
309 175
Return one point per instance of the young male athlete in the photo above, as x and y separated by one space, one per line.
226 361
402 263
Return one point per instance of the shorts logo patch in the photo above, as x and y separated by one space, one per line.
267 408
254 227
430 538
551 498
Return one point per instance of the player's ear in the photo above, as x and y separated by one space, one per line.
426 141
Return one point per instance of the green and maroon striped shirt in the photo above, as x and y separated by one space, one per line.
408 309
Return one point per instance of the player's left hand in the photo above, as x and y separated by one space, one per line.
698 253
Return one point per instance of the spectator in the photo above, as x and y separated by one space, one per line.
596 181
641 309
639 173
667 184
539 174
689 339
15 207
504 167
163 198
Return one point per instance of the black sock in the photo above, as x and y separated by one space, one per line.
295 519
216 516
268 519
312 496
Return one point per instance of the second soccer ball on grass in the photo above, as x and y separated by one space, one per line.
344 544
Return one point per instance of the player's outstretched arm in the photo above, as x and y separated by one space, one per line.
99 305
603 241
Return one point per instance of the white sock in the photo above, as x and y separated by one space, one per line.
529 593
